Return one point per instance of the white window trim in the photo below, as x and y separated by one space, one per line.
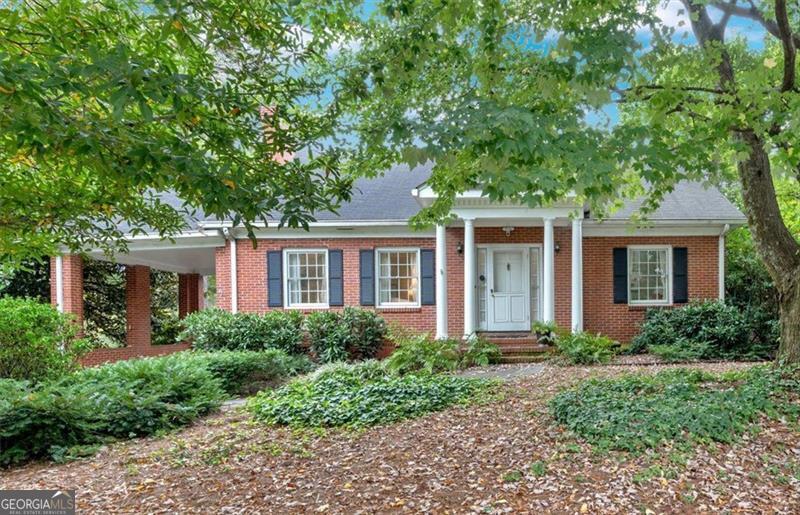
668 300
390 305
286 304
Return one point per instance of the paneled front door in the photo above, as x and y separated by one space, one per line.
509 289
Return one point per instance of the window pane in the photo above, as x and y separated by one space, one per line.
648 276
307 277
397 276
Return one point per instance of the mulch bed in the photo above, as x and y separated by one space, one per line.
459 460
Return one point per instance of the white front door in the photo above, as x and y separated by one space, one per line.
509 289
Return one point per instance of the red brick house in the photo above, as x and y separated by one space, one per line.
497 267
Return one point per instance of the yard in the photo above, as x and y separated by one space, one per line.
506 454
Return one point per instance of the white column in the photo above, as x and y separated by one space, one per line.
548 280
721 262
441 282
470 265
234 286
59 284
577 275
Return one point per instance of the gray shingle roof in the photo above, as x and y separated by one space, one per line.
387 197
688 201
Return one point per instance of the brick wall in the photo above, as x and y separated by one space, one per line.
621 321
251 272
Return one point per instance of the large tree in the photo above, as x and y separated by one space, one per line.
106 105
531 99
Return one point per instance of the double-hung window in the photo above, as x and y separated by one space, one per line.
398 277
306 278
649 275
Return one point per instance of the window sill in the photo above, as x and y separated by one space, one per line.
645 307
306 309
400 309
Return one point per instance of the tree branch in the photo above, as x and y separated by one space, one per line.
789 48
753 13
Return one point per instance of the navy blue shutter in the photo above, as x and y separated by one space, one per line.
275 278
366 260
335 278
428 273
620 275
680 275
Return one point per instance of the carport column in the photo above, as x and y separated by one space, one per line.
137 302
441 282
577 275
66 285
189 293
548 279
470 265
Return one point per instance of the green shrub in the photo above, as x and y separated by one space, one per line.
584 348
139 397
345 395
367 332
480 352
40 421
352 334
749 288
328 336
244 372
416 353
637 412
681 350
702 330
120 400
215 329
36 341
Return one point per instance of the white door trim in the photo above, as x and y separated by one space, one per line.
520 325
484 326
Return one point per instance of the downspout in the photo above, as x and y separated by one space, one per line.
721 264
228 232
59 283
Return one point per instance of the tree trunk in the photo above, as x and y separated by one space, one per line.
789 349
775 244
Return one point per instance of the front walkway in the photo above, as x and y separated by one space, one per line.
505 372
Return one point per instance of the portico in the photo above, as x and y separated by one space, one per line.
509 264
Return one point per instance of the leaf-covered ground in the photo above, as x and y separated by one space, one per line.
504 456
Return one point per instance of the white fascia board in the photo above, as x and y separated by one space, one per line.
185 240
595 228
353 231
323 223
523 213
